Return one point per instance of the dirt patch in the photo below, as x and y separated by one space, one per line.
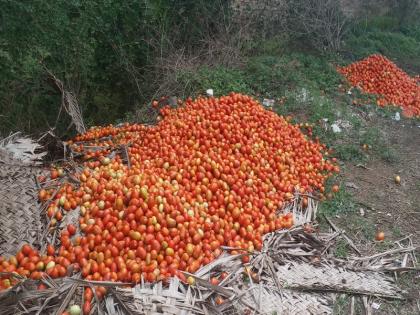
381 204
395 208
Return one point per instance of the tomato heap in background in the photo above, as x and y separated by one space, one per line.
212 172
378 75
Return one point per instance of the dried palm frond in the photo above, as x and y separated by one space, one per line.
301 214
308 277
20 212
148 298
294 273
17 150
269 301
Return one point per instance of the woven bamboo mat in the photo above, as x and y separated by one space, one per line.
19 209
296 271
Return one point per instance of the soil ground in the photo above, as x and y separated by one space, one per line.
394 208
382 204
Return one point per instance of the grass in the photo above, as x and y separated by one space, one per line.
407 280
383 246
384 36
341 249
311 105
350 152
378 145
273 75
405 307
270 72
342 305
342 202
389 155
221 79
354 223
367 228
392 44
396 232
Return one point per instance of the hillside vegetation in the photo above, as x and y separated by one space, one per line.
116 57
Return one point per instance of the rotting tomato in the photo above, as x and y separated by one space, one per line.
378 75
213 172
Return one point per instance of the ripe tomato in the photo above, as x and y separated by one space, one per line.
26 249
71 229
206 175
214 281
87 307
378 75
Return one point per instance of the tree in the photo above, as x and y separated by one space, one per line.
322 22
405 10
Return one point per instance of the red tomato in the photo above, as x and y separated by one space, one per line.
87 307
206 175
378 75
71 229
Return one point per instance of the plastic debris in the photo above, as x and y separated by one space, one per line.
267 102
336 128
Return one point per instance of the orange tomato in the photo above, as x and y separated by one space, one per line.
378 75
213 172
380 236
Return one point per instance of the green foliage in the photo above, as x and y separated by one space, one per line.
357 223
320 71
376 23
342 202
341 249
272 75
341 305
392 44
274 46
268 75
412 31
349 152
384 35
378 145
396 232
109 53
104 51
222 80
384 245
60 36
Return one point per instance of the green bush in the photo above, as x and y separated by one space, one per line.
221 79
377 24
273 75
111 55
387 36
104 51
392 44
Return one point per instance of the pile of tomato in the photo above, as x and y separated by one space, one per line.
213 172
378 75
